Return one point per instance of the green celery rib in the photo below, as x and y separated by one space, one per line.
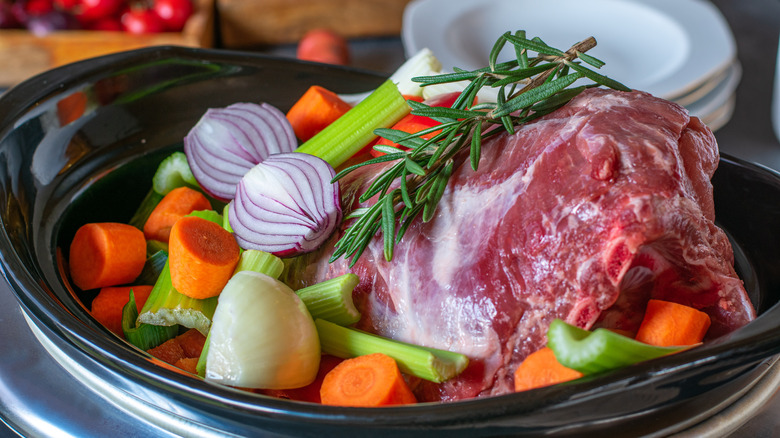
209 215
143 211
225 219
423 362
167 306
260 261
600 350
331 300
152 268
174 171
144 336
200 367
155 246
354 130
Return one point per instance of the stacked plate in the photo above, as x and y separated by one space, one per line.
681 50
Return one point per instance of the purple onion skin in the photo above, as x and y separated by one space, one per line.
286 205
227 142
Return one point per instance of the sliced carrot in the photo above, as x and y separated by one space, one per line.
317 108
178 203
106 254
191 342
169 351
668 324
107 305
370 380
541 369
188 364
201 256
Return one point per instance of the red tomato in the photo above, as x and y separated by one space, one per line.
174 13
91 10
38 7
66 5
412 123
140 21
322 45
106 24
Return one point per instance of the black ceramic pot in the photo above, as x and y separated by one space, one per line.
80 143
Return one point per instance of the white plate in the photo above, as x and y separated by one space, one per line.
719 95
665 47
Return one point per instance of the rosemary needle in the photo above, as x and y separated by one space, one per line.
528 87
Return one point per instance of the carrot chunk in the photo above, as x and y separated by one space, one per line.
188 364
191 342
317 108
540 369
106 254
169 351
668 324
108 304
370 380
178 203
201 256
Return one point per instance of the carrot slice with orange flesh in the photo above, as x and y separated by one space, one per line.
317 108
178 203
169 351
107 305
541 369
668 324
371 380
192 342
106 254
187 364
202 256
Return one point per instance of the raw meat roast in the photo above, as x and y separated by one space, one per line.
582 215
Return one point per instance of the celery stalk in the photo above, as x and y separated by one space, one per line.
426 363
143 211
260 261
600 350
331 300
155 246
144 336
200 367
225 219
167 306
354 130
174 171
152 268
209 215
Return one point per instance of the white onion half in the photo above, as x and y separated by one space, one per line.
227 142
286 205
261 336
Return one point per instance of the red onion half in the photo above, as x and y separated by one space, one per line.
286 205
227 142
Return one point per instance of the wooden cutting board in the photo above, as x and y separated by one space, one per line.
248 23
24 54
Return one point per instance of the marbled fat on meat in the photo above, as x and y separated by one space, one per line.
582 215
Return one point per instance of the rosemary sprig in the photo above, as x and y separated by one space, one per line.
528 87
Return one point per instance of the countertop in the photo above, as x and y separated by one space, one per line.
41 399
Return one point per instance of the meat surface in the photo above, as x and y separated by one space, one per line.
583 215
